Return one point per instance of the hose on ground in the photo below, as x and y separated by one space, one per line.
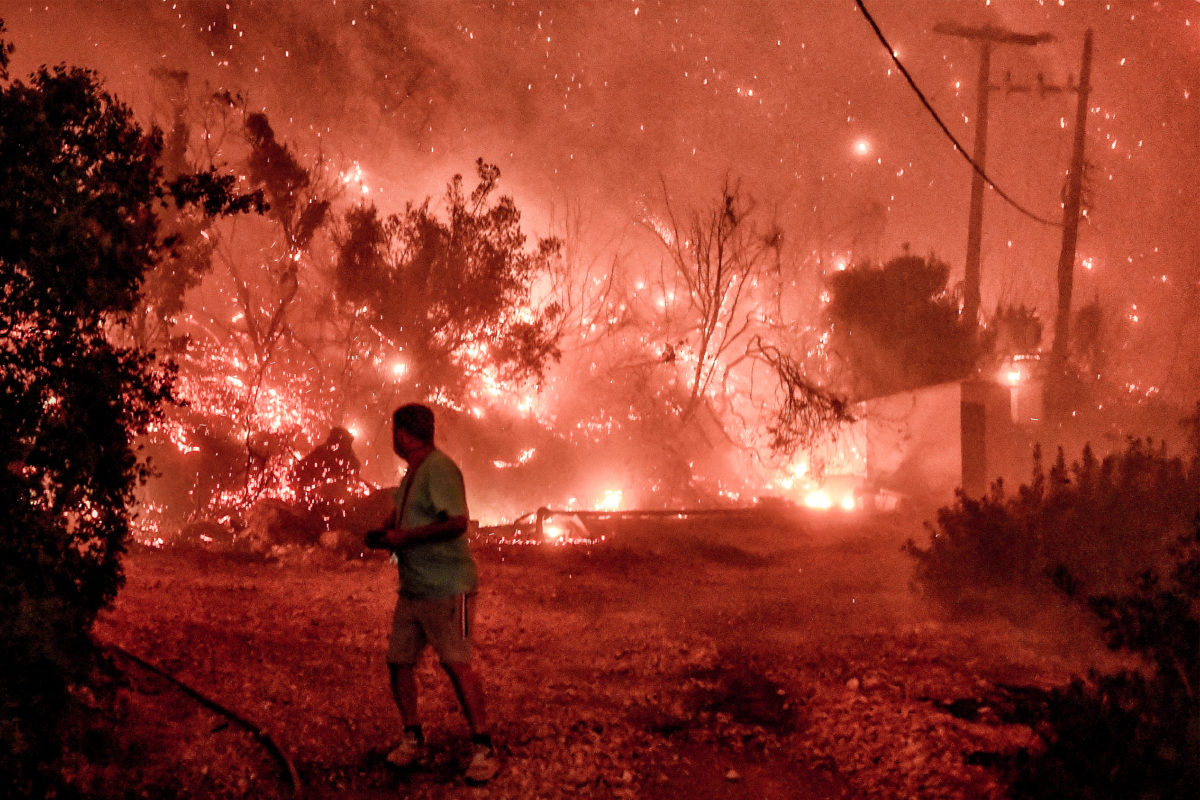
263 737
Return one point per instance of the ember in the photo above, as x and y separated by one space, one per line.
692 353
689 285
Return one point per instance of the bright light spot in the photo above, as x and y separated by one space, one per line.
611 501
818 498
862 147
1013 376
553 531
848 503
399 369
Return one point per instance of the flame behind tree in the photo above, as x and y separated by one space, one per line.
730 271
259 288
236 309
717 254
305 318
452 293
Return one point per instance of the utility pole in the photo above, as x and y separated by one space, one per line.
978 395
1070 237
987 36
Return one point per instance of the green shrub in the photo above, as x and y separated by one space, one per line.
1106 531
1103 521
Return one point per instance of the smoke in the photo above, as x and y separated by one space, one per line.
594 107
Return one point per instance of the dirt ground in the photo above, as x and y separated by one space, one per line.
729 659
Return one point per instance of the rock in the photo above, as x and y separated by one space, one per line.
852 684
334 540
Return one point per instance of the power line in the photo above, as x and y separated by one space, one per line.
937 118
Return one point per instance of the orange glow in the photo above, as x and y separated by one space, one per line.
818 498
611 501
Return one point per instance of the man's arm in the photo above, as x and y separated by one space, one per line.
443 530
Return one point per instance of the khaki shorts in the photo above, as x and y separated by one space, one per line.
445 623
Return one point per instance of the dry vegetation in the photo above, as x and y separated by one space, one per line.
782 659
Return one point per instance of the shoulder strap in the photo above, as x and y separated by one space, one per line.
412 478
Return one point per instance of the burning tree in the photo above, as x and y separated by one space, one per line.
722 313
452 294
81 191
316 314
717 255
226 313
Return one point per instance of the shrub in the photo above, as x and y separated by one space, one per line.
1103 521
1133 734
80 194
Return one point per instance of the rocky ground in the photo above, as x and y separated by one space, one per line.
728 659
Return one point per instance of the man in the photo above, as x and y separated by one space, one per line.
427 535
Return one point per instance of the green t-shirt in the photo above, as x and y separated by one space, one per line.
434 569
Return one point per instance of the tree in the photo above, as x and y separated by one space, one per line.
734 325
587 282
805 411
453 294
81 190
235 334
716 253
897 327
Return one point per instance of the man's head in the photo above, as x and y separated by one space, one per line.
412 428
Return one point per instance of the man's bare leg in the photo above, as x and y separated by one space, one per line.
404 692
469 689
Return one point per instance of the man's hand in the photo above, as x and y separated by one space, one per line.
377 540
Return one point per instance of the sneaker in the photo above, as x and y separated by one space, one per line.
407 753
483 767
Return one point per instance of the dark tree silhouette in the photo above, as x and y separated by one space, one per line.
81 190
443 289
897 327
